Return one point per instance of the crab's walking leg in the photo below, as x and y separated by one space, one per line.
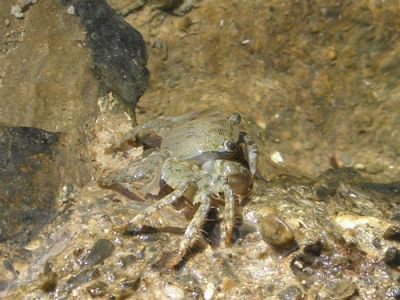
229 214
193 230
169 199
148 169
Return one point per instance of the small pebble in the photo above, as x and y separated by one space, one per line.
392 257
291 293
314 249
101 250
277 158
272 229
173 292
392 234
393 292
16 11
209 292
227 284
7 22
331 54
71 10
359 166
97 289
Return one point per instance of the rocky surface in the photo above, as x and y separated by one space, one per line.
118 51
320 79
46 76
26 163
317 86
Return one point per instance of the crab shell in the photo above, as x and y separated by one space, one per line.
209 136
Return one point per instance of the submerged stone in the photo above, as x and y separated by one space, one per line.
392 233
392 257
101 250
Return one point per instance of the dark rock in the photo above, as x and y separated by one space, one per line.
83 277
392 189
101 250
130 283
127 260
314 249
118 50
392 257
49 284
29 181
392 234
301 266
393 292
291 293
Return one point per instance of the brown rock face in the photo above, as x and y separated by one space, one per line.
47 81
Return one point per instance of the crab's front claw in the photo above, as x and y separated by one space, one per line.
251 151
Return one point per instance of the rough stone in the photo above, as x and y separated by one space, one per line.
118 50
29 181
47 79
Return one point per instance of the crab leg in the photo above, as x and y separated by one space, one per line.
149 169
193 230
169 199
251 151
229 213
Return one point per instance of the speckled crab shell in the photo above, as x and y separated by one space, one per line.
209 136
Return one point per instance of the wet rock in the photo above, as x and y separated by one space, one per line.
328 182
77 280
49 283
392 234
173 292
392 257
127 260
29 181
101 250
341 290
291 293
301 266
314 249
393 292
131 284
118 50
97 289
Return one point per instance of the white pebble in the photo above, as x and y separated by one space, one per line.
71 10
173 292
209 292
276 157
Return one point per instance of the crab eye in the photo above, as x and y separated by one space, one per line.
230 146
235 119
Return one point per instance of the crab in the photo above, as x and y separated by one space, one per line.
203 156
